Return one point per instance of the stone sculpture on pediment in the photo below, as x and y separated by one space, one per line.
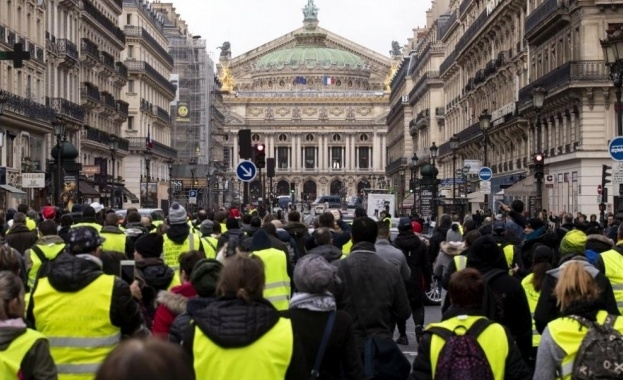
283 111
269 114
364 111
350 113
296 113
309 111
336 111
324 115
256 111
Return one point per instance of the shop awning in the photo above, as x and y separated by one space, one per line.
88 191
133 198
476 197
523 188
13 190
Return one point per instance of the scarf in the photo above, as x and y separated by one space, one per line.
535 234
313 302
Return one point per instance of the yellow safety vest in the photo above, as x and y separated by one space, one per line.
77 325
172 251
568 334
496 349
176 281
388 221
97 226
11 358
209 246
50 251
509 254
31 224
533 298
271 355
613 262
347 247
277 285
460 262
223 228
114 242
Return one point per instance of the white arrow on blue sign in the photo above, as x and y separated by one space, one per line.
615 148
485 174
192 194
246 171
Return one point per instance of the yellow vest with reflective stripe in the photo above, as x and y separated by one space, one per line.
613 262
346 248
460 262
50 251
31 224
11 358
493 342
172 251
271 355
209 246
77 325
97 226
114 242
533 298
277 285
568 334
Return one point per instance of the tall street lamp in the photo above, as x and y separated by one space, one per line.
613 56
193 168
454 144
4 97
538 98
485 124
148 156
413 166
112 144
402 187
433 156
170 167
58 126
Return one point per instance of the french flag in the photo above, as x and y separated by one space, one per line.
327 81
149 144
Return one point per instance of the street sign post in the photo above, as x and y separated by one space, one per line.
485 174
615 148
246 171
617 173
192 197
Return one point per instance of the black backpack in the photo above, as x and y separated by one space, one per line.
462 357
601 352
493 303
44 269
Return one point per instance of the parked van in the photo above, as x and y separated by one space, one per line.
325 202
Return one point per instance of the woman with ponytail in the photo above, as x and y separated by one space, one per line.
241 335
24 353
580 304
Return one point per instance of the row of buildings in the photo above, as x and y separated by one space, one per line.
477 58
122 87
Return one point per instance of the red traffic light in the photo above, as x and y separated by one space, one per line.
538 158
259 147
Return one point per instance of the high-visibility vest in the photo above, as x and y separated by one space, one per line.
277 282
223 228
11 358
31 224
533 298
209 246
114 242
495 347
77 325
97 226
172 251
460 262
176 281
347 247
271 355
388 221
613 262
568 335
509 254
50 251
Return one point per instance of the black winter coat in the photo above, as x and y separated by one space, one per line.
299 232
416 252
339 238
439 236
341 353
20 238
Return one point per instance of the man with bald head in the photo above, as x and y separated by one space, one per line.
116 240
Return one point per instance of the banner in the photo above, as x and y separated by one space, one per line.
33 180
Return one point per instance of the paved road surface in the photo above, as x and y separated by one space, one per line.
433 314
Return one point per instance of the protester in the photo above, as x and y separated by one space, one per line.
66 222
179 238
390 253
47 248
340 229
89 218
115 240
439 235
277 287
23 350
241 335
324 245
610 264
19 236
502 356
309 312
298 231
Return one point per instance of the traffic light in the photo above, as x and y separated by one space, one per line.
538 165
260 155
605 181
292 187
411 186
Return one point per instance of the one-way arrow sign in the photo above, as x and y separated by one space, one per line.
246 171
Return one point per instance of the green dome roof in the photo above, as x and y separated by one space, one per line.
310 57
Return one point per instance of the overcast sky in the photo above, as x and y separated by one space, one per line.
247 24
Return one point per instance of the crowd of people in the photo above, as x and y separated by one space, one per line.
235 295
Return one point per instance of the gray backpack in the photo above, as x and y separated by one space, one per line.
601 352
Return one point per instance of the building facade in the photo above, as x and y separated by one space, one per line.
318 102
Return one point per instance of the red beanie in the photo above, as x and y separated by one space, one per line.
417 227
48 212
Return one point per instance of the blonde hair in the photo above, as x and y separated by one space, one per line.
11 287
575 284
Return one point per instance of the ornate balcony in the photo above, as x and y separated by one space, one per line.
108 67
122 110
132 31
142 67
68 52
90 54
108 25
90 95
547 19
122 73
138 144
108 106
100 138
67 109
162 115
146 106
28 108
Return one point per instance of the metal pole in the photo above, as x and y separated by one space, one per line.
261 186
434 193
170 187
486 197
617 92
270 203
147 176
113 180
58 170
453 179
539 179
209 184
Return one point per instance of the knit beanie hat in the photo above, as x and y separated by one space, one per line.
149 245
574 243
535 223
542 254
177 214
313 274
48 212
205 276
417 227
206 227
454 233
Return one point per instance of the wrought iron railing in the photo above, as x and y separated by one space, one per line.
28 108
108 100
449 61
91 91
541 13
123 107
139 143
137 31
473 29
162 114
149 70
122 70
102 137
146 106
64 107
90 48
108 60
103 20
68 48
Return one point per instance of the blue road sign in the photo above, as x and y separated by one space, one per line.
615 148
192 194
485 174
246 171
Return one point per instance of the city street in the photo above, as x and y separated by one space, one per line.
433 314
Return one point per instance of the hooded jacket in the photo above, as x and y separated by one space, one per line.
328 251
299 232
171 304
447 251
547 307
20 238
234 323
435 241
595 246
183 321
156 277
178 233
548 238
417 254
69 274
37 363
